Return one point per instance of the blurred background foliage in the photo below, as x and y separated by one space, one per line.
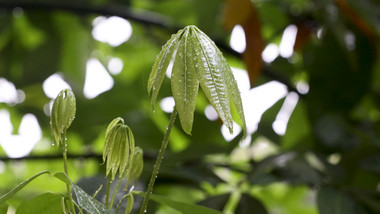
314 132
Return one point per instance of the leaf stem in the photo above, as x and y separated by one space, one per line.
68 187
108 190
115 192
158 161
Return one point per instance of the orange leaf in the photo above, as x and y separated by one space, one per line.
358 21
254 47
303 36
236 12
243 12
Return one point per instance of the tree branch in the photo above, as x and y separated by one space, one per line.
147 18
143 17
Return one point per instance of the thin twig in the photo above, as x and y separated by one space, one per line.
158 162
68 187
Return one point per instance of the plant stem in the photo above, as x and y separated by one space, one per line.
114 192
68 187
158 161
108 191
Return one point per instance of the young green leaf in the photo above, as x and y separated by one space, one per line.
118 149
136 167
160 66
62 114
211 72
197 61
184 83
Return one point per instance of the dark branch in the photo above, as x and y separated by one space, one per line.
143 17
53 157
146 18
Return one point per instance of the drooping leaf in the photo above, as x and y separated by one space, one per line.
136 167
108 142
160 66
15 190
184 82
235 97
45 203
197 59
183 207
119 148
211 74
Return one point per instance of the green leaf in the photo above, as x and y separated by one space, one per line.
160 66
197 60
11 193
63 177
45 203
247 203
136 167
185 83
211 74
130 202
62 114
183 207
84 200
330 200
88 203
118 148
4 208
109 141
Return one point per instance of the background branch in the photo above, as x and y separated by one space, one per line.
143 17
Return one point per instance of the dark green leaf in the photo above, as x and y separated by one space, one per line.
88 203
217 202
4 208
248 203
183 207
330 200
46 203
